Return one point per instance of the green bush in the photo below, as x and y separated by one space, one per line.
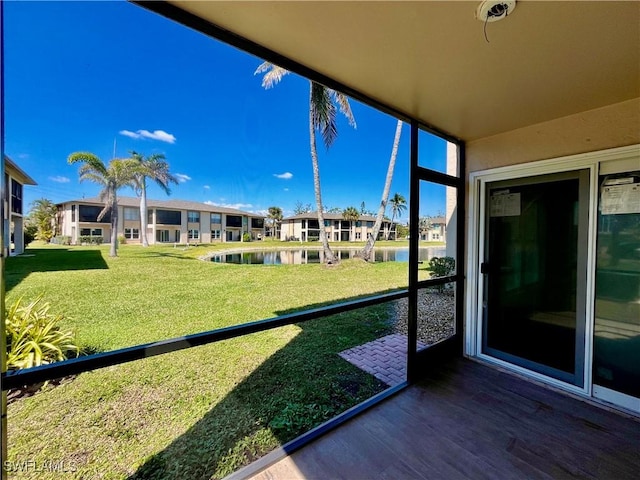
122 240
85 239
246 237
441 266
61 240
29 234
34 336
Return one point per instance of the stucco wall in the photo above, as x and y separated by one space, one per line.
608 127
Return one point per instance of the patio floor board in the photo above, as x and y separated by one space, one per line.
472 421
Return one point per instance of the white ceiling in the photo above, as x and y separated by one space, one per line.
430 60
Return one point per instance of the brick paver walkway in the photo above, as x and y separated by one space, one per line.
384 358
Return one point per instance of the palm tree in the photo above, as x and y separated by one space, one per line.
275 217
119 173
398 205
322 116
154 167
43 215
368 248
352 215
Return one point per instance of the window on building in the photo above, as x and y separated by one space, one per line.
194 234
314 224
89 213
257 223
304 224
16 196
73 213
162 235
150 217
131 213
234 221
215 234
168 217
193 217
358 236
131 233
216 219
358 223
90 232
369 224
336 224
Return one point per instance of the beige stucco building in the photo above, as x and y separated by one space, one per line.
168 221
304 228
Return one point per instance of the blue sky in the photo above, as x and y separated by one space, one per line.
83 76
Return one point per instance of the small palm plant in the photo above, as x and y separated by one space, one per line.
34 336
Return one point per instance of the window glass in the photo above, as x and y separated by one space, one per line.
193 217
168 217
216 219
131 213
89 213
234 221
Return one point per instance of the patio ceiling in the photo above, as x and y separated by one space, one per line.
430 60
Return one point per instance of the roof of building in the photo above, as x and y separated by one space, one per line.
170 204
330 216
17 172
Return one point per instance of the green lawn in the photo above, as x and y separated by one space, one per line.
202 412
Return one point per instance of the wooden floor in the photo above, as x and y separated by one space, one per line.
471 421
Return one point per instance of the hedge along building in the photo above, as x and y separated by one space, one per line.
168 221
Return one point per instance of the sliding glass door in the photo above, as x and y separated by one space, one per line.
534 268
616 345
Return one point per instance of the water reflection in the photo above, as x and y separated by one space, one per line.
302 256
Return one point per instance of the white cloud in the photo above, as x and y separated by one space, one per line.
182 178
284 176
237 206
160 135
207 187
285 189
60 179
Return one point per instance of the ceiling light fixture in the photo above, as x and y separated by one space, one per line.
494 10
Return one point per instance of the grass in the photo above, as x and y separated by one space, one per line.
202 412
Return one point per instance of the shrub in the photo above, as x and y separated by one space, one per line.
34 336
246 237
61 240
121 239
85 239
29 234
442 266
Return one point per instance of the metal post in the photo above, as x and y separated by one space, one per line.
414 237
3 252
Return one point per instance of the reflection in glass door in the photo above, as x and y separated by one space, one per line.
535 273
616 354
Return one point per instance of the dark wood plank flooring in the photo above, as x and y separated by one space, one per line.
471 421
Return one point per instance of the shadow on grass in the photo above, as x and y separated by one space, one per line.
51 260
302 385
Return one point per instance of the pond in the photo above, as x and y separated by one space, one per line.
301 256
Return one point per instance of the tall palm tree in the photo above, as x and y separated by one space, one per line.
398 205
112 177
322 116
153 167
352 215
368 248
275 217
